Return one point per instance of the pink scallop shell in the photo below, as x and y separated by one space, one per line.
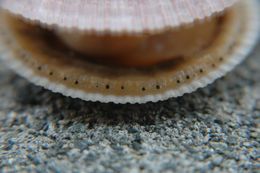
116 15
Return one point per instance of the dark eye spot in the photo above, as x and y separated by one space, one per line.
187 77
76 82
221 59
143 89
65 78
107 86
122 87
178 81
39 68
158 87
51 73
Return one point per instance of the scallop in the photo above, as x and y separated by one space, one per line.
126 51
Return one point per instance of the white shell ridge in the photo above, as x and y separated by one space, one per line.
116 15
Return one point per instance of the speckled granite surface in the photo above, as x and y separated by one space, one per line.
216 128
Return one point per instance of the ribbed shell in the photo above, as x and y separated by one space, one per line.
31 56
116 15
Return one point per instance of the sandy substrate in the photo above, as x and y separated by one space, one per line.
214 129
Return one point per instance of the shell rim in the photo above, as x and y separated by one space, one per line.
251 37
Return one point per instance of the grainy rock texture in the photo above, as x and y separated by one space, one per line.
215 128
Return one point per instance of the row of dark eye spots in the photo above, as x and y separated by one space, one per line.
200 70
143 88
76 81
52 73
97 86
188 77
156 87
220 60
122 87
108 87
40 69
